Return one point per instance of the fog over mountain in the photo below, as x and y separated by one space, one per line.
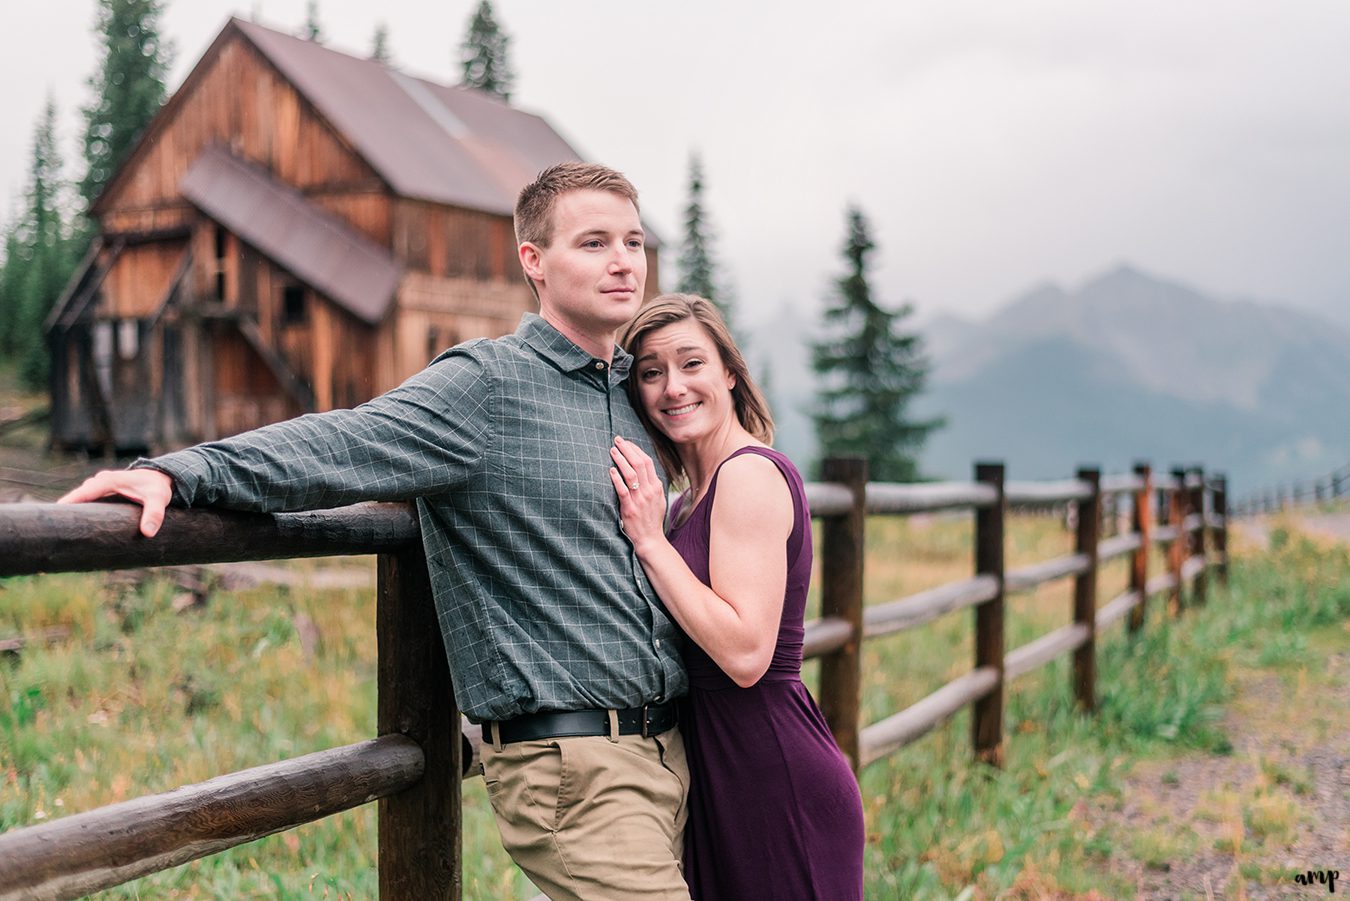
1128 366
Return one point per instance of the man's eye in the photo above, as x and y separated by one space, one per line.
635 243
592 243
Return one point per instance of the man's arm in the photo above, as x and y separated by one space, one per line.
425 436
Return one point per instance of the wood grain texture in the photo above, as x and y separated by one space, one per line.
841 597
36 538
79 854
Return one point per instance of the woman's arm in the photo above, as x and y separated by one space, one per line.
736 620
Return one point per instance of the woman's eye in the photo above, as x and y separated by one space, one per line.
648 374
693 364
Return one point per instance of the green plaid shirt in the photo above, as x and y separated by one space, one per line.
504 444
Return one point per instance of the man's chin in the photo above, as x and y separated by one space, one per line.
626 308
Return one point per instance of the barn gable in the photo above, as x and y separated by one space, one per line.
297 229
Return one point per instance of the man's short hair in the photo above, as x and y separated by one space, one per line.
534 206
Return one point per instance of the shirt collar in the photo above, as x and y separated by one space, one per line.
553 346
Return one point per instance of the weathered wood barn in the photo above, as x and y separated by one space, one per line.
298 229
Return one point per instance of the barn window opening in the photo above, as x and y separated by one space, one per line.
220 247
292 305
128 338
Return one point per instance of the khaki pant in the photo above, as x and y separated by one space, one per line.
590 818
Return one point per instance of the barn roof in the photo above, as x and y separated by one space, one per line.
428 141
313 245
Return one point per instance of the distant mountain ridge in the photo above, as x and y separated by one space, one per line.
1127 366
1131 365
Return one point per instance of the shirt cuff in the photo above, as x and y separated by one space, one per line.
188 469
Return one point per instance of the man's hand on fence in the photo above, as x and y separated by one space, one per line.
150 488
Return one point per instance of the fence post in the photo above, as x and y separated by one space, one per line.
986 722
1221 532
1085 591
419 829
841 595
1141 525
1176 551
1197 543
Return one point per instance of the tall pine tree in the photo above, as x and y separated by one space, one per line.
312 30
10 270
698 272
39 255
128 87
379 44
697 264
483 54
870 371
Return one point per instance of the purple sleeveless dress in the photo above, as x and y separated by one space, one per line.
774 810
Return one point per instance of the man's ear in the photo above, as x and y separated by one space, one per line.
531 260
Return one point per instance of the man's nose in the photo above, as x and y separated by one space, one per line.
621 260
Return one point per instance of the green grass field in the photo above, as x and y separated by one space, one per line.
142 698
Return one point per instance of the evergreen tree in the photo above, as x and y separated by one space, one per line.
129 86
39 255
870 370
696 267
379 45
313 31
483 54
10 271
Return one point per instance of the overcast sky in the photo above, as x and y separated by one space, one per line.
993 145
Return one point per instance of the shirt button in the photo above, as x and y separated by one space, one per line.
658 642
599 364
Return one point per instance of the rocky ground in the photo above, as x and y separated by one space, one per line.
1246 824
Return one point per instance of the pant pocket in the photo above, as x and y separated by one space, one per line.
523 785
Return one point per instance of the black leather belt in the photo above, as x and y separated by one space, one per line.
647 720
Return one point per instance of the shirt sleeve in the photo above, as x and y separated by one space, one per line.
427 436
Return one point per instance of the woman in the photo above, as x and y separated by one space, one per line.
774 810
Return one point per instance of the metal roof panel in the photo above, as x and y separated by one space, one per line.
315 246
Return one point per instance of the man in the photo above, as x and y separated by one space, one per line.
555 640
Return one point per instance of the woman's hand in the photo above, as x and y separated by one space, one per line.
642 497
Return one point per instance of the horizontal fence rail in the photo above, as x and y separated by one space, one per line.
423 750
86 852
1033 494
38 538
883 497
1275 498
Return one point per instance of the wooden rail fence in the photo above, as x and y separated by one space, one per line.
1276 498
423 750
